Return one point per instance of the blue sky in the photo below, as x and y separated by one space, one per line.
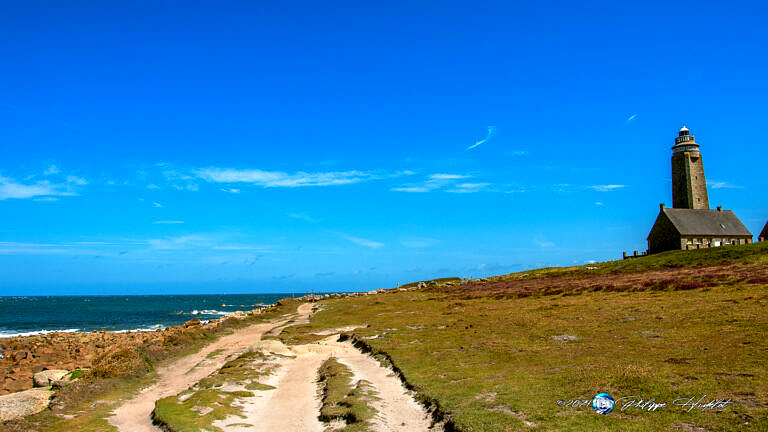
290 146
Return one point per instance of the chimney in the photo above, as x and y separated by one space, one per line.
624 254
719 208
661 207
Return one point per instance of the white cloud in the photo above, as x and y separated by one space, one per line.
10 188
417 189
168 222
281 179
491 134
722 185
231 190
79 181
447 176
182 242
433 182
632 117
598 203
606 188
303 217
468 187
53 169
156 204
364 242
544 243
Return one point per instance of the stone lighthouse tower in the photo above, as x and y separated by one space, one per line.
689 187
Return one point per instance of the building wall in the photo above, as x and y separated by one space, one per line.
689 187
701 242
664 236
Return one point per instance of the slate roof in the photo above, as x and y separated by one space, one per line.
706 222
764 233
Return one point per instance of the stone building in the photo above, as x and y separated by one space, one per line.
764 233
690 224
689 187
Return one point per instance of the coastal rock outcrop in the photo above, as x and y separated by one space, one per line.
44 378
24 403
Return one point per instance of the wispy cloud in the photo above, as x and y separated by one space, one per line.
303 217
52 169
629 120
169 222
156 204
723 185
468 187
413 189
447 176
10 188
491 134
433 182
365 242
281 179
543 243
75 180
231 190
607 188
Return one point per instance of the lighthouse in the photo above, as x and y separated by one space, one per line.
689 187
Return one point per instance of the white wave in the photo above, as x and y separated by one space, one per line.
7 334
143 329
209 312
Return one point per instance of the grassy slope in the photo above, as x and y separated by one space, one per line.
494 366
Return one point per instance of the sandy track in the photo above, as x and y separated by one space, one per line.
397 409
134 414
294 405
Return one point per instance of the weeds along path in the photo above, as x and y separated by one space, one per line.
294 404
134 415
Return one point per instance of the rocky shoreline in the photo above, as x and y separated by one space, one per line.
21 357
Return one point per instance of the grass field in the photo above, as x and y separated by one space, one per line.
502 362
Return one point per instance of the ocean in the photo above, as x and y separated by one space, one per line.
27 315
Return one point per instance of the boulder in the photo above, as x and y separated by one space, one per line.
24 403
192 322
44 378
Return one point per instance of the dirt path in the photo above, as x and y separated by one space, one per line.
294 405
397 409
134 415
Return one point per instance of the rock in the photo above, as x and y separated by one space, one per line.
44 378
20 404
60 383
192 322
564 338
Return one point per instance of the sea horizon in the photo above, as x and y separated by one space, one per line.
41 314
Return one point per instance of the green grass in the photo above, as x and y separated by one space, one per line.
198 408
89 404
214 353
187 415
343 401
493 365
755 253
